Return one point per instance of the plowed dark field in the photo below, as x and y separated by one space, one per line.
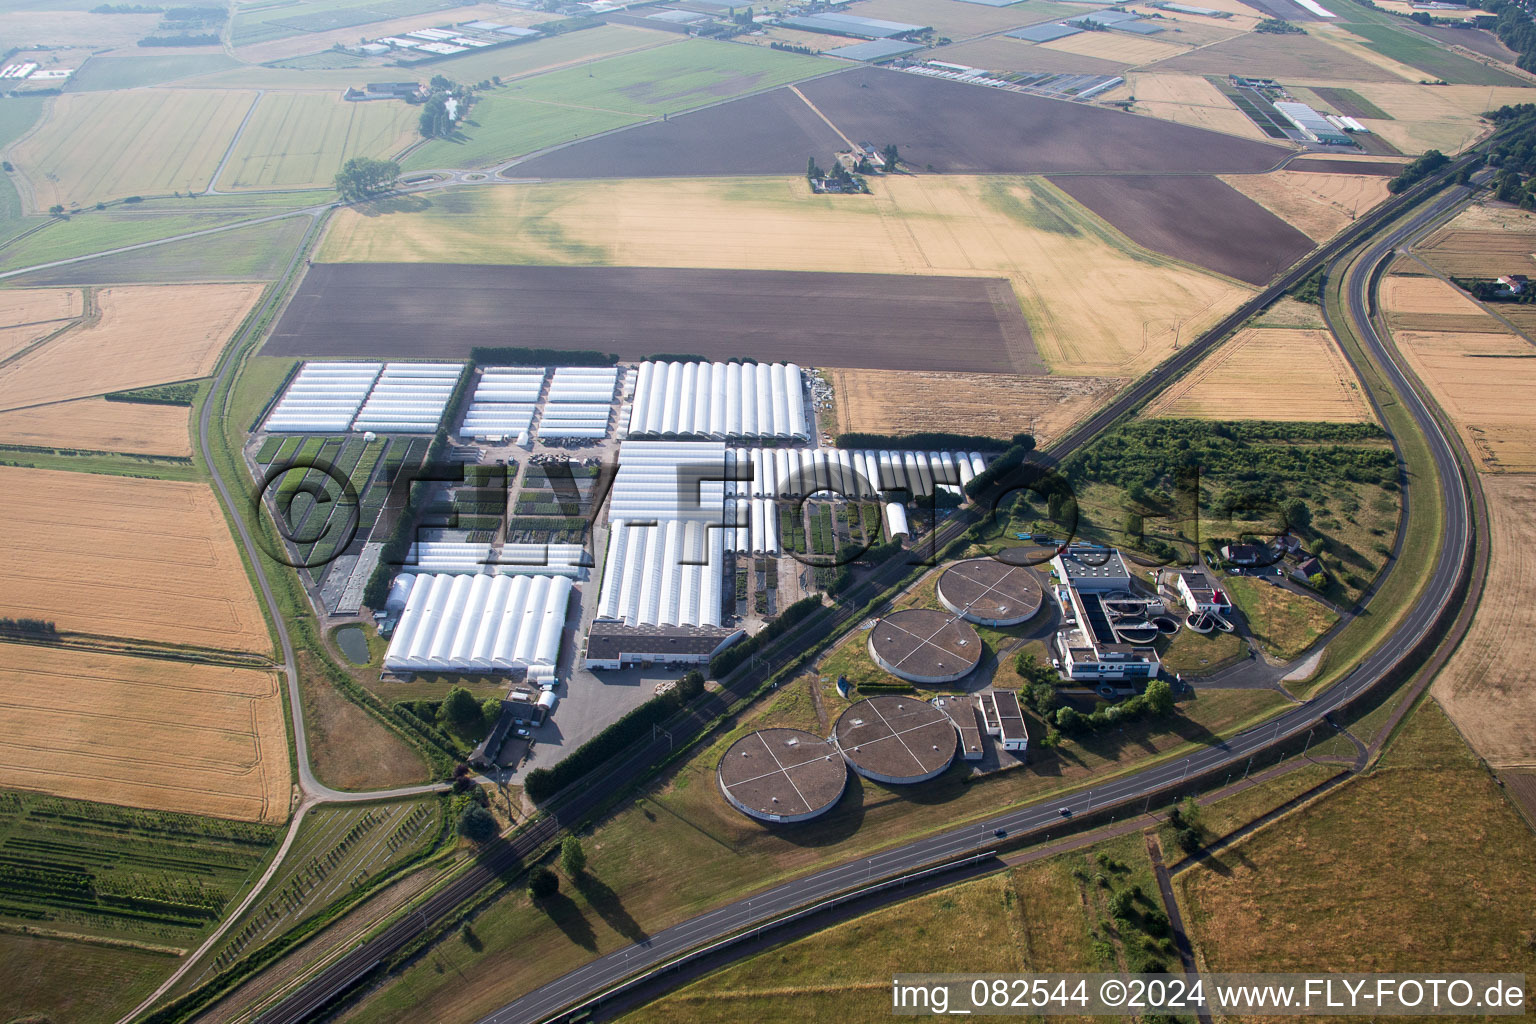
1195 218
879 321
949 127
1384 168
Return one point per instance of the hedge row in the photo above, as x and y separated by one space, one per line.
931 441
728 659
508 355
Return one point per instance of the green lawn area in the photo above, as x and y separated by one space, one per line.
714 854
103 73
1382 32
1283 622
501 126
544 110
1200 654
1410 867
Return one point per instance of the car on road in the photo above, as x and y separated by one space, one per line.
522 732
1000 833
1065 812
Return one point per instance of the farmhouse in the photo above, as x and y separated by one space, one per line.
1244 554
1512 284
1090 647
1307 568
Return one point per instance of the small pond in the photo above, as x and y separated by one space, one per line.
353 643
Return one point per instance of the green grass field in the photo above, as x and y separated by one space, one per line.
1384 36
93 231
61 980
1284 623
257 253
106 73
561 106
302 139
264 21
17 115
109 145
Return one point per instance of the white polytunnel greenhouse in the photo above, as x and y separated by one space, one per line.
796 473
456 623
719 400
323 397
583 384
503 402
409 398
468 557
666 574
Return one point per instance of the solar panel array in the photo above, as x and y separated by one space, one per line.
503 402
323 396
580 401
409 398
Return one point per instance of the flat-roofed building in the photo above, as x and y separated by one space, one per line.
966 715
1093 568
1089 646
1197 591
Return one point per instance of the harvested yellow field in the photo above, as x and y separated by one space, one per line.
28 314
1318 205
1289 312
1408 294
91 146
1404 8
1062 260
297 139
166 735
105 555
1483 242
1443 117
1486 383
1485 687
1273 374
1190 99
100 425
1120 47
1194 29
997 405
136 336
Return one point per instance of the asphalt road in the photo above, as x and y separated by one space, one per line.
599 974
1438 598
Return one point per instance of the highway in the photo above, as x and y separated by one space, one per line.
572 808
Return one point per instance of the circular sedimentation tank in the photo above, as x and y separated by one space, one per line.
990 592
782 775
924 645
900 740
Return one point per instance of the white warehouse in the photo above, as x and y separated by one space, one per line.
719 400
479 623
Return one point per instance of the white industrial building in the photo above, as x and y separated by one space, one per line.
409 398
323 397
1313 125
1090 645
479 623
719 400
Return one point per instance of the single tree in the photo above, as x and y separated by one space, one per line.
460 707
892 158
362 177
490 710
573 859
477 825
1067 719
811 170
542 883
1297 515
1159 697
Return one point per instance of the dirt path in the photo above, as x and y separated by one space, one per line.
817 111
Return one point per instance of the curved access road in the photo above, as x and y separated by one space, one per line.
1435 607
